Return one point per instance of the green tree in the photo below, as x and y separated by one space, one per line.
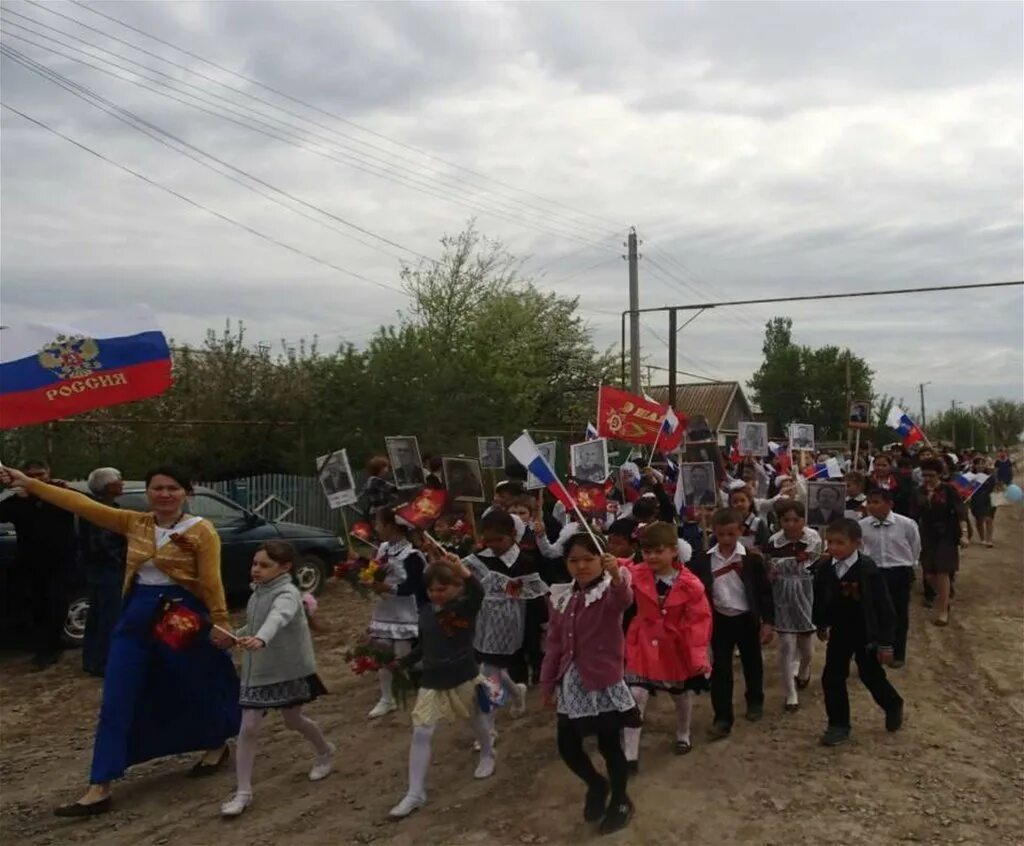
1004 419
962 428
798 383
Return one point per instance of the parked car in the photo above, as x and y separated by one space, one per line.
241 532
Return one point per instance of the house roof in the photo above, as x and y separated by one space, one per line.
712 399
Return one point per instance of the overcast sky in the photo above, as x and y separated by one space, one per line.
760 149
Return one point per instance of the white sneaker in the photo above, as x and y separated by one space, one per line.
485 769
323 765
236 805
409 804
519 705
382 708
494 741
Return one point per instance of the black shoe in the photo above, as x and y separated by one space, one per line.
801 684
894 718
683 747
755 712
202 769
597 801
792 707
77 809
719 731
633 767
617 818
834 735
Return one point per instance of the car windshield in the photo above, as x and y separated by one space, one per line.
215 509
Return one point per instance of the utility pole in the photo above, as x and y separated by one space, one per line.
952 420
972 427
634 314
921 389
849 401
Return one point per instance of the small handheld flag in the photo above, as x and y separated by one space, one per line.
830 469
968 484
591 433
905 427
525 451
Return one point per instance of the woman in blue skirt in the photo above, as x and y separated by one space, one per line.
157 699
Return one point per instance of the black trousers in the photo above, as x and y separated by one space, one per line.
49 607
844 644
899 581
609 744
728 634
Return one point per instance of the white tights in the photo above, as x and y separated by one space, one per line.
419 751
248 740
384 676
684 716
795 653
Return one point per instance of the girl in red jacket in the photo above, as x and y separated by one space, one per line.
582 673
667 638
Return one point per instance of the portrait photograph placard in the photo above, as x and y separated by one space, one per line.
589 461
406 463
801 437
826 501
860 414
463 479
492 452
698 480
335 474
549 449
753 438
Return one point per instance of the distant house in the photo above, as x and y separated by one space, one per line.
723 404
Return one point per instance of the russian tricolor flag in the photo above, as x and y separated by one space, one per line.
830 469
591 433
906 428
525 451
967 484
49 371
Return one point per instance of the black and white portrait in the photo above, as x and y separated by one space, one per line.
860 414
492 453
826 501
801 436
753 438
549 449
464 479
699 484
698 431
406 464
590 461
335 476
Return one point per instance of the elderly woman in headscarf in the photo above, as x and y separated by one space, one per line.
102 554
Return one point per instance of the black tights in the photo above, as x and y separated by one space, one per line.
570 747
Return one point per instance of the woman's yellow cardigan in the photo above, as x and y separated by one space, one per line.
197 569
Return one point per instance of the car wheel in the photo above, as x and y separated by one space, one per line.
310 573
74 622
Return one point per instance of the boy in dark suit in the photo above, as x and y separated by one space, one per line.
854 613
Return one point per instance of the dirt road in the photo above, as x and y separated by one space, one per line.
955 774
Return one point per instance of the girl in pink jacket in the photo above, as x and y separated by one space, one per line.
582 673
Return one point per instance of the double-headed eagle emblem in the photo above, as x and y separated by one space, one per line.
71 357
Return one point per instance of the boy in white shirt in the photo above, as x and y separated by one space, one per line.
893 542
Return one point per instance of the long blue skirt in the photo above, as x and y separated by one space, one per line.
156 700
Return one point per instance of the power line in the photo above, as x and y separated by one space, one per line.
319 110
145 127
200 206
689 358
580 230
297 140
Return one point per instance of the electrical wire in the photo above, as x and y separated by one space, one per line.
198 205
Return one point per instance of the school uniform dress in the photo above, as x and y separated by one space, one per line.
667 638
789 565
940 514
509 581
852 601
856 507
894 544
159 701
396 614
448 669
755 532
283 673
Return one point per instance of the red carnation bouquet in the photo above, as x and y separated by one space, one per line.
368 656
361 572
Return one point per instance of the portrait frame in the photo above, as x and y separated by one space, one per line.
463 478
549 449
491 459
860 414
816 517
407 475
753 438
587 459
707 496
334 472
801 437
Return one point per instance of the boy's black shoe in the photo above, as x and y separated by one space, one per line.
633 767
894 718
597 801
617 818
755 712
834 735
719 730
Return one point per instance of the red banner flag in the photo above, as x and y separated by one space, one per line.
627 417
591 499
424 509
